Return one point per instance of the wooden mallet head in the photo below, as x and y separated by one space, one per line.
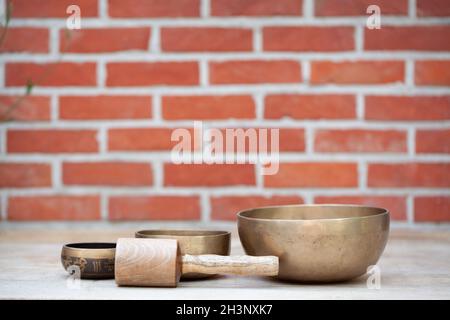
158 263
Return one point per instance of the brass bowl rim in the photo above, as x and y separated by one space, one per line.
90 245
189 233
71 249
384 211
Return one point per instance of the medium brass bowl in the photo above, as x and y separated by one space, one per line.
94 260
194 242
316 243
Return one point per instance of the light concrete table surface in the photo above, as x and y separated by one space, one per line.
415 265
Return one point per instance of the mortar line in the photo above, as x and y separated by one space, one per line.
101 74
300 88
360 106
104 206
395 158
205 208
410 209
359 39
234 21
259 177
102 139
155 40
54 108
411 142
54 43
158 56
409 72
56 167
362 175
412 12
258 99
3 207
157 109
3 141
227 191
257 40
203 72
2 75
204 8
103 9
306 71
308 10
158 175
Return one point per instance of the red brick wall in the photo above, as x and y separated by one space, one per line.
364 114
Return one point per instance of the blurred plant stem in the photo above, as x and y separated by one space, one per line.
6 110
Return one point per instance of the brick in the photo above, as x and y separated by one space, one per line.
432 73
425 175
152 73
314 39
24 108
407 108
254 71
104 40
310 106
395 204
433 141
313 175
51 141
256 8
25 175
140 139
107 173
25 39
154 208
208 107
51 74
433 8
291 140
357 72
432 209
425 38
104 107
226 207
201 39
153 8
52 8
360 140
214 175
359 7
55 207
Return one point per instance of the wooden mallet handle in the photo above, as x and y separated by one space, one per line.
237 265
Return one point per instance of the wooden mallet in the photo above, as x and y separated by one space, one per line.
158 263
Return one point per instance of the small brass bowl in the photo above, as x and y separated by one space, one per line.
316 243
94 260
194 242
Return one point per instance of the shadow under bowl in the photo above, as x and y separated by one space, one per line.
316 243
92 260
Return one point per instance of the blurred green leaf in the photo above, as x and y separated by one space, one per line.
29 86
8 12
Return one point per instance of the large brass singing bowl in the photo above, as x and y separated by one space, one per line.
316 243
